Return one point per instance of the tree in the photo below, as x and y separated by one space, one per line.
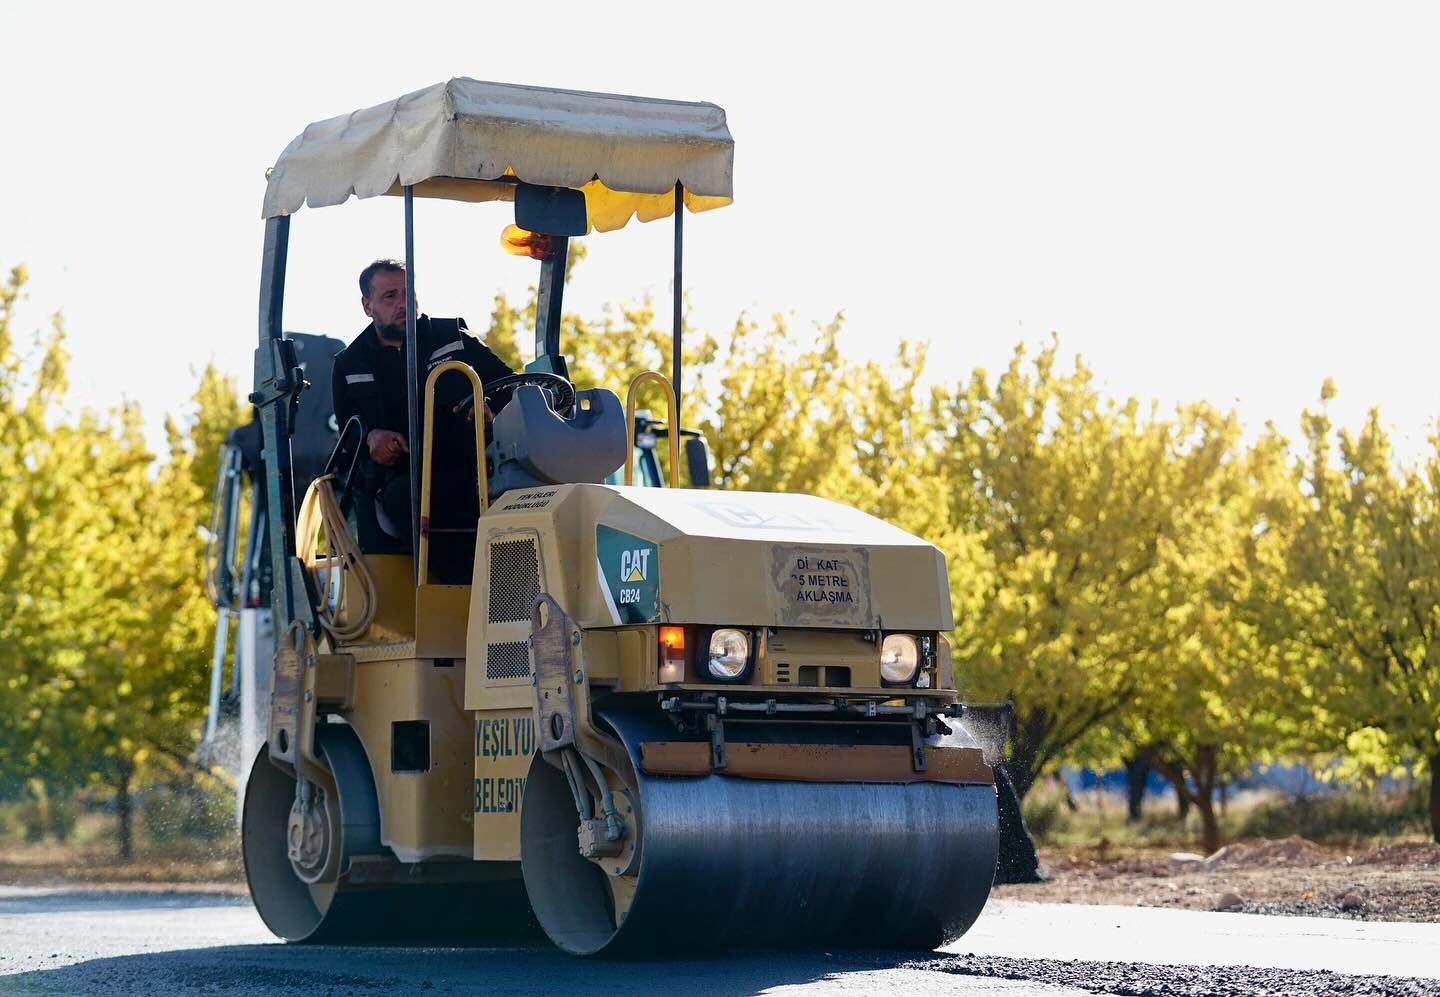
1366 573
103 619
1063 508
782 419
1223 695
23 403
217 411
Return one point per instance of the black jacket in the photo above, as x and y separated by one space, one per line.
369 382
369 377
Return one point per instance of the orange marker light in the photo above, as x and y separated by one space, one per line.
672 654
521 242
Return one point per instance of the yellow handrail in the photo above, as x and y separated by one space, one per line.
644 377
482 480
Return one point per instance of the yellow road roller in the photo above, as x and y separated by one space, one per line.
644 719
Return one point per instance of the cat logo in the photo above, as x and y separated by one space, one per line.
635 565
628 570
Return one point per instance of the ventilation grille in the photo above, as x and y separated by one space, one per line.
510 660
782 671
514 580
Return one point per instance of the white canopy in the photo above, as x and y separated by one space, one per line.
460 139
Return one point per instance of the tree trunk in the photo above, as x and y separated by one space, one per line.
1435 796
1175 775
1207 764
122 799
1205 769
1209 823
1137 770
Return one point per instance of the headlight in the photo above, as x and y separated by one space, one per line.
899 657
729 656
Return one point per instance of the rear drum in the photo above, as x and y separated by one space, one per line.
336 911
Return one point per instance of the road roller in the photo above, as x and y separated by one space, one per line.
636 719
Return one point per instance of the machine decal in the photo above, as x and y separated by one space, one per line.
746 518
504 737
529 500
495 738
819 587
629 569
498 795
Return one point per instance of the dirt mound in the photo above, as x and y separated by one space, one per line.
1414 854
1065 864
1252 852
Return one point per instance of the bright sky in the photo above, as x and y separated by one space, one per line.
1225 201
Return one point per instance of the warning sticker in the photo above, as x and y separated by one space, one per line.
822 586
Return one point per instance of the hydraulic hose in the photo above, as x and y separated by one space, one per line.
343 553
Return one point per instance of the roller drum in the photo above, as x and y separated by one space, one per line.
757 862
339 911
745 862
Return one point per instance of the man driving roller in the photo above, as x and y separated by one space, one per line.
369 382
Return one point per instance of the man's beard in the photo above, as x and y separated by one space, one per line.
391 332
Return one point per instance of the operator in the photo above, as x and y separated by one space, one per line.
369 381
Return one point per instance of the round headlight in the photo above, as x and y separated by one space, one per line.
899 657
729 653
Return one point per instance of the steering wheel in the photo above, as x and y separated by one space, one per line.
561 391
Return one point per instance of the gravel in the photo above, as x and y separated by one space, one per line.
1142 980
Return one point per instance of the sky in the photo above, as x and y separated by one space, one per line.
1227 202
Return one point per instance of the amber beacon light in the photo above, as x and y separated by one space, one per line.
521 242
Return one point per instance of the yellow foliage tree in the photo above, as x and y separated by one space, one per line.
1064 508
104 615
1221 694
1122 578
1366 593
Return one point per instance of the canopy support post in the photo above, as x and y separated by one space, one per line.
678 288
549 299
412 380
278 383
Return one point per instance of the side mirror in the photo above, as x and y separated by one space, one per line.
550 210
697 461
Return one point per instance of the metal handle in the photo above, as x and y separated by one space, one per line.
482 480
644 377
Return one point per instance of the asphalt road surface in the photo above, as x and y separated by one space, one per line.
137 943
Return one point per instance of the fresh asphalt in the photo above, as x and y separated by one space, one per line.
153 943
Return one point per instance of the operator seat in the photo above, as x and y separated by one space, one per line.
535 446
